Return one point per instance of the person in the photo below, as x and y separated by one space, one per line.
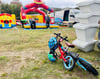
47 21
23 22
32 23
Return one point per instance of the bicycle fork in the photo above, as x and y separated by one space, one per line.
80 64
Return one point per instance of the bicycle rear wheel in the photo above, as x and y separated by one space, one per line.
88 66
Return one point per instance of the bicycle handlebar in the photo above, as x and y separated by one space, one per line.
59 35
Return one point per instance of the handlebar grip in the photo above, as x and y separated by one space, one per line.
59 35
55 34
66 37
66 40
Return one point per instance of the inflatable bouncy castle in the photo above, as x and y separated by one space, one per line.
7 21
34 7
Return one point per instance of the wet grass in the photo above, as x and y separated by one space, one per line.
38 66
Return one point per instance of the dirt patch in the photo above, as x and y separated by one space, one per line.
17 60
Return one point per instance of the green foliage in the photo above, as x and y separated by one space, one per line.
11 9
3 58
15 9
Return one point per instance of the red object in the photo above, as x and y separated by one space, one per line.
70 45
63 26
33 7
62 54
10 21
99 22
2 21
6 22
52 21
5 14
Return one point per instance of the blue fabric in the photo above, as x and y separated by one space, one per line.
42 24
13 25
58 20
52 42
0 25
49 9
24 8
62 48
6 26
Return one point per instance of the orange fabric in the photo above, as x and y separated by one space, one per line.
38 1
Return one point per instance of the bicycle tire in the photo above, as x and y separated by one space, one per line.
72 65
88 66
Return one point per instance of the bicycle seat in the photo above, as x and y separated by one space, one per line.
70 45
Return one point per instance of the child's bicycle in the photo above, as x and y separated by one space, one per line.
69 58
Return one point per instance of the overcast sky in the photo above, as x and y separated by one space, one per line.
52 3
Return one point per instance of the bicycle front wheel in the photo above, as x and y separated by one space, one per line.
69 65
88 66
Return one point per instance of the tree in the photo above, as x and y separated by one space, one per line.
11 9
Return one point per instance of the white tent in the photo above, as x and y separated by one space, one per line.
60 14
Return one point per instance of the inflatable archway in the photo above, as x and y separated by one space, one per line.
33 7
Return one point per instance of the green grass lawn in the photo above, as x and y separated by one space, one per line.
23 55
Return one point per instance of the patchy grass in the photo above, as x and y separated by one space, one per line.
23 55
3 60
19 39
